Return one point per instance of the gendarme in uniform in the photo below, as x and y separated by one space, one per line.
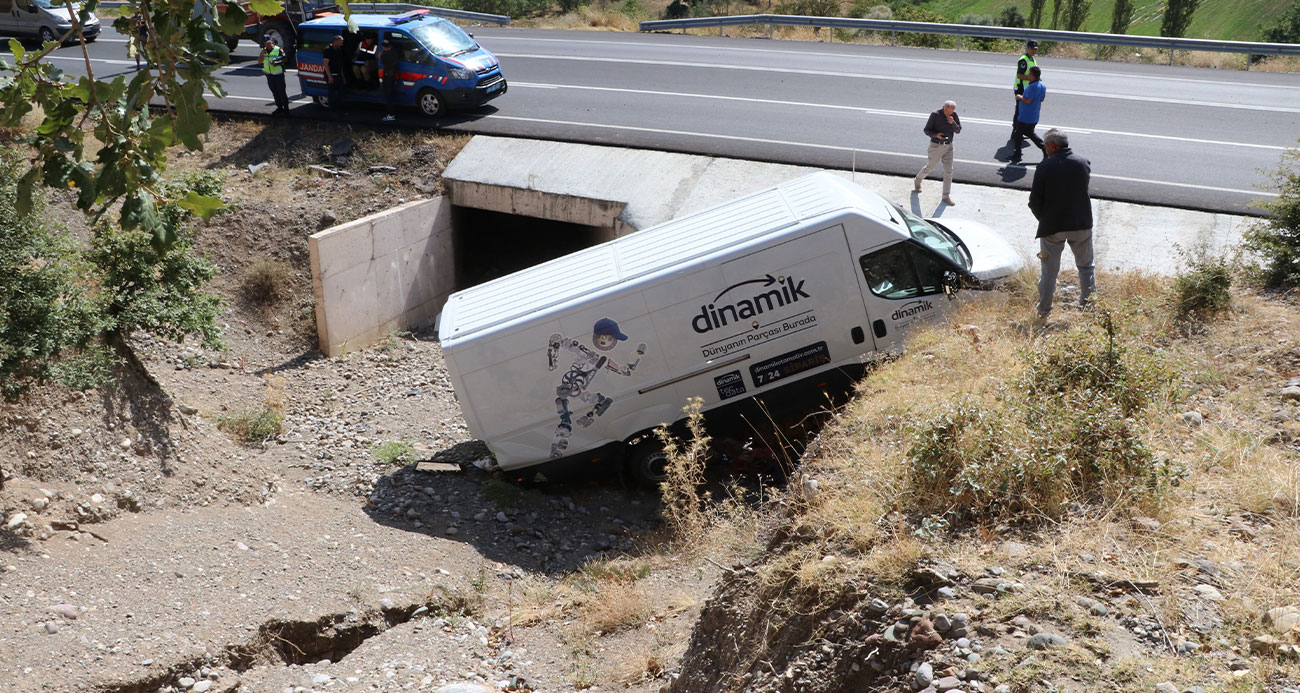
1022 68
273 68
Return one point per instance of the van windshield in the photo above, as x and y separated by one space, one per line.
444 39
936 238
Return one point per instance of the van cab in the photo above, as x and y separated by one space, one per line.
442 67
46 20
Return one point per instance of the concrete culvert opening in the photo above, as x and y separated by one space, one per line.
492 244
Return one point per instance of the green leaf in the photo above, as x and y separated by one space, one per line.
267 8
27 190
232 20
202 205
16 47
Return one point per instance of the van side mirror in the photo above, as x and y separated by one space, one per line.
31 9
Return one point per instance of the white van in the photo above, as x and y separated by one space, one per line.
46 20
577 359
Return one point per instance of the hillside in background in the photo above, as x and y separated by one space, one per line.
1214 19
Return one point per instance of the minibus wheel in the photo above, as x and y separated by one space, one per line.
430 103
646 464
47 35
322 101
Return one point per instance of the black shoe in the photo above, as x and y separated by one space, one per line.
1014 161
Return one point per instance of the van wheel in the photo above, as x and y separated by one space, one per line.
47 35
646 464
279 31
430 103
322 101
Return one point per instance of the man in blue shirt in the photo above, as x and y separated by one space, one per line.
1031 104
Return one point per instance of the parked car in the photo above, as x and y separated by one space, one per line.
281 28
42 19
441 66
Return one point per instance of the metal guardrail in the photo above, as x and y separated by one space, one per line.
393 8
975 30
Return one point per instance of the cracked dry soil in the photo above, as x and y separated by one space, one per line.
143 549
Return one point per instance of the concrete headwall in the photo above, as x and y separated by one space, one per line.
385 272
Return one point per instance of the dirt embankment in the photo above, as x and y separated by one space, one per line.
145 547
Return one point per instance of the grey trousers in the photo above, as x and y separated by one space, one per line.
1050 249
937 153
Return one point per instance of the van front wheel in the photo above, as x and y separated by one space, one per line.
646 464
430 103
47 35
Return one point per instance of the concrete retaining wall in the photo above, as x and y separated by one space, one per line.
386 272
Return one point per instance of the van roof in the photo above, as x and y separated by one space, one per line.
582 274
368 21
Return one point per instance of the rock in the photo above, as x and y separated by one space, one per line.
452 531
878 606
1099 609
942 623
502 517
321 679
1166 687
924 675
202 686
463 688
1283 618
51 627
187 409
254 169
67 611
947 683
16 520
1188 647
1193 419
1265 645
1002 688
40 503
1015 550
185 682
97 499
988 585
960 620
327 219
923 636
946 592
1043 641
1239 665
125 444
1291 392
1209 592
1147 524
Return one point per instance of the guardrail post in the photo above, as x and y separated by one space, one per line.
1098 54
891 38
771 29
1171 56
1248 62
958 44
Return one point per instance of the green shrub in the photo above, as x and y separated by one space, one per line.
1068 430
912 13
394 452
1277 238
1012 16
255 425
1201 292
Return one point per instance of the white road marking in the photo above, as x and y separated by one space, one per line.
901 114
841 148
961 63
909 78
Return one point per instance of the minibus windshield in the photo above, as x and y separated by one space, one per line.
444 39
937 238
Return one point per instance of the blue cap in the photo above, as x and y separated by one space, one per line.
609 327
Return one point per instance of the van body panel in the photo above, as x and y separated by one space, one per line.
27 18
813 277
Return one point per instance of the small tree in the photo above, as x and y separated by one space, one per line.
1056 13
1011 16
1076 11
1277 238
1178 16
1287 28
1122 18
1036 12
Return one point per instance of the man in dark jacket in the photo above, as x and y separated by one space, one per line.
940 128
1059 200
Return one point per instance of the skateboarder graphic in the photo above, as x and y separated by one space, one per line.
576 382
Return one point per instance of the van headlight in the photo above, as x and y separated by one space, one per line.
460 73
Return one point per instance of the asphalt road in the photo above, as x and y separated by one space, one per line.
1183 137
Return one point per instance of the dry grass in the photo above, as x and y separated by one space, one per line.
1238 504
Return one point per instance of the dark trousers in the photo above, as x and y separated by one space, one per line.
1015 116
336 92
1019 134
276 83
390 91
